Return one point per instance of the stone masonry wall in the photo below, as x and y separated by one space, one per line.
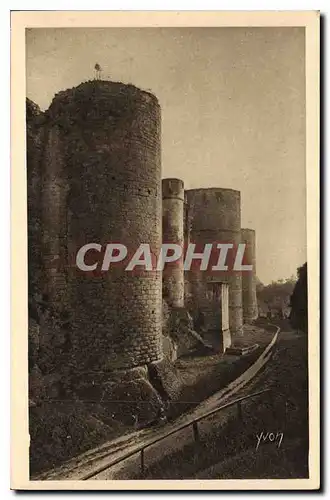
102 184
214 215
34 146
172 207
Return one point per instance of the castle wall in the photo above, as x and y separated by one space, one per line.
102 184
172 207
249 294
214 215
34 146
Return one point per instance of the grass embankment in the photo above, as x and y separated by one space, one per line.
64 429
203 376
230 451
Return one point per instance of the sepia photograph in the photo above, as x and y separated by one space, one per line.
169 318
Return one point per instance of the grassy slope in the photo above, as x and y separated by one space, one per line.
230 452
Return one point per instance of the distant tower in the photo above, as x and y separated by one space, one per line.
98 71
215 216
173 276
249 293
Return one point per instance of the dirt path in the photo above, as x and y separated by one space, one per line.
229 448
87 464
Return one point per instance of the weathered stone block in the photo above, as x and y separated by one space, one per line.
170 348
132 402
165 378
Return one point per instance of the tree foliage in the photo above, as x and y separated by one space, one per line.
277 294
287 294
299 301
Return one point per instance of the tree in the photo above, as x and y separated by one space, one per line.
277 294
299 301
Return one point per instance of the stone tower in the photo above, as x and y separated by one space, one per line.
249 294
101 183
173 275
215 216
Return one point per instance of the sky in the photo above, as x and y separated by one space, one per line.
233 113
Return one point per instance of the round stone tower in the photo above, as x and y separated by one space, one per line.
249 294
173 275
215 217
102 184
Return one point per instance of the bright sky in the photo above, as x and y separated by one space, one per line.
233 113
